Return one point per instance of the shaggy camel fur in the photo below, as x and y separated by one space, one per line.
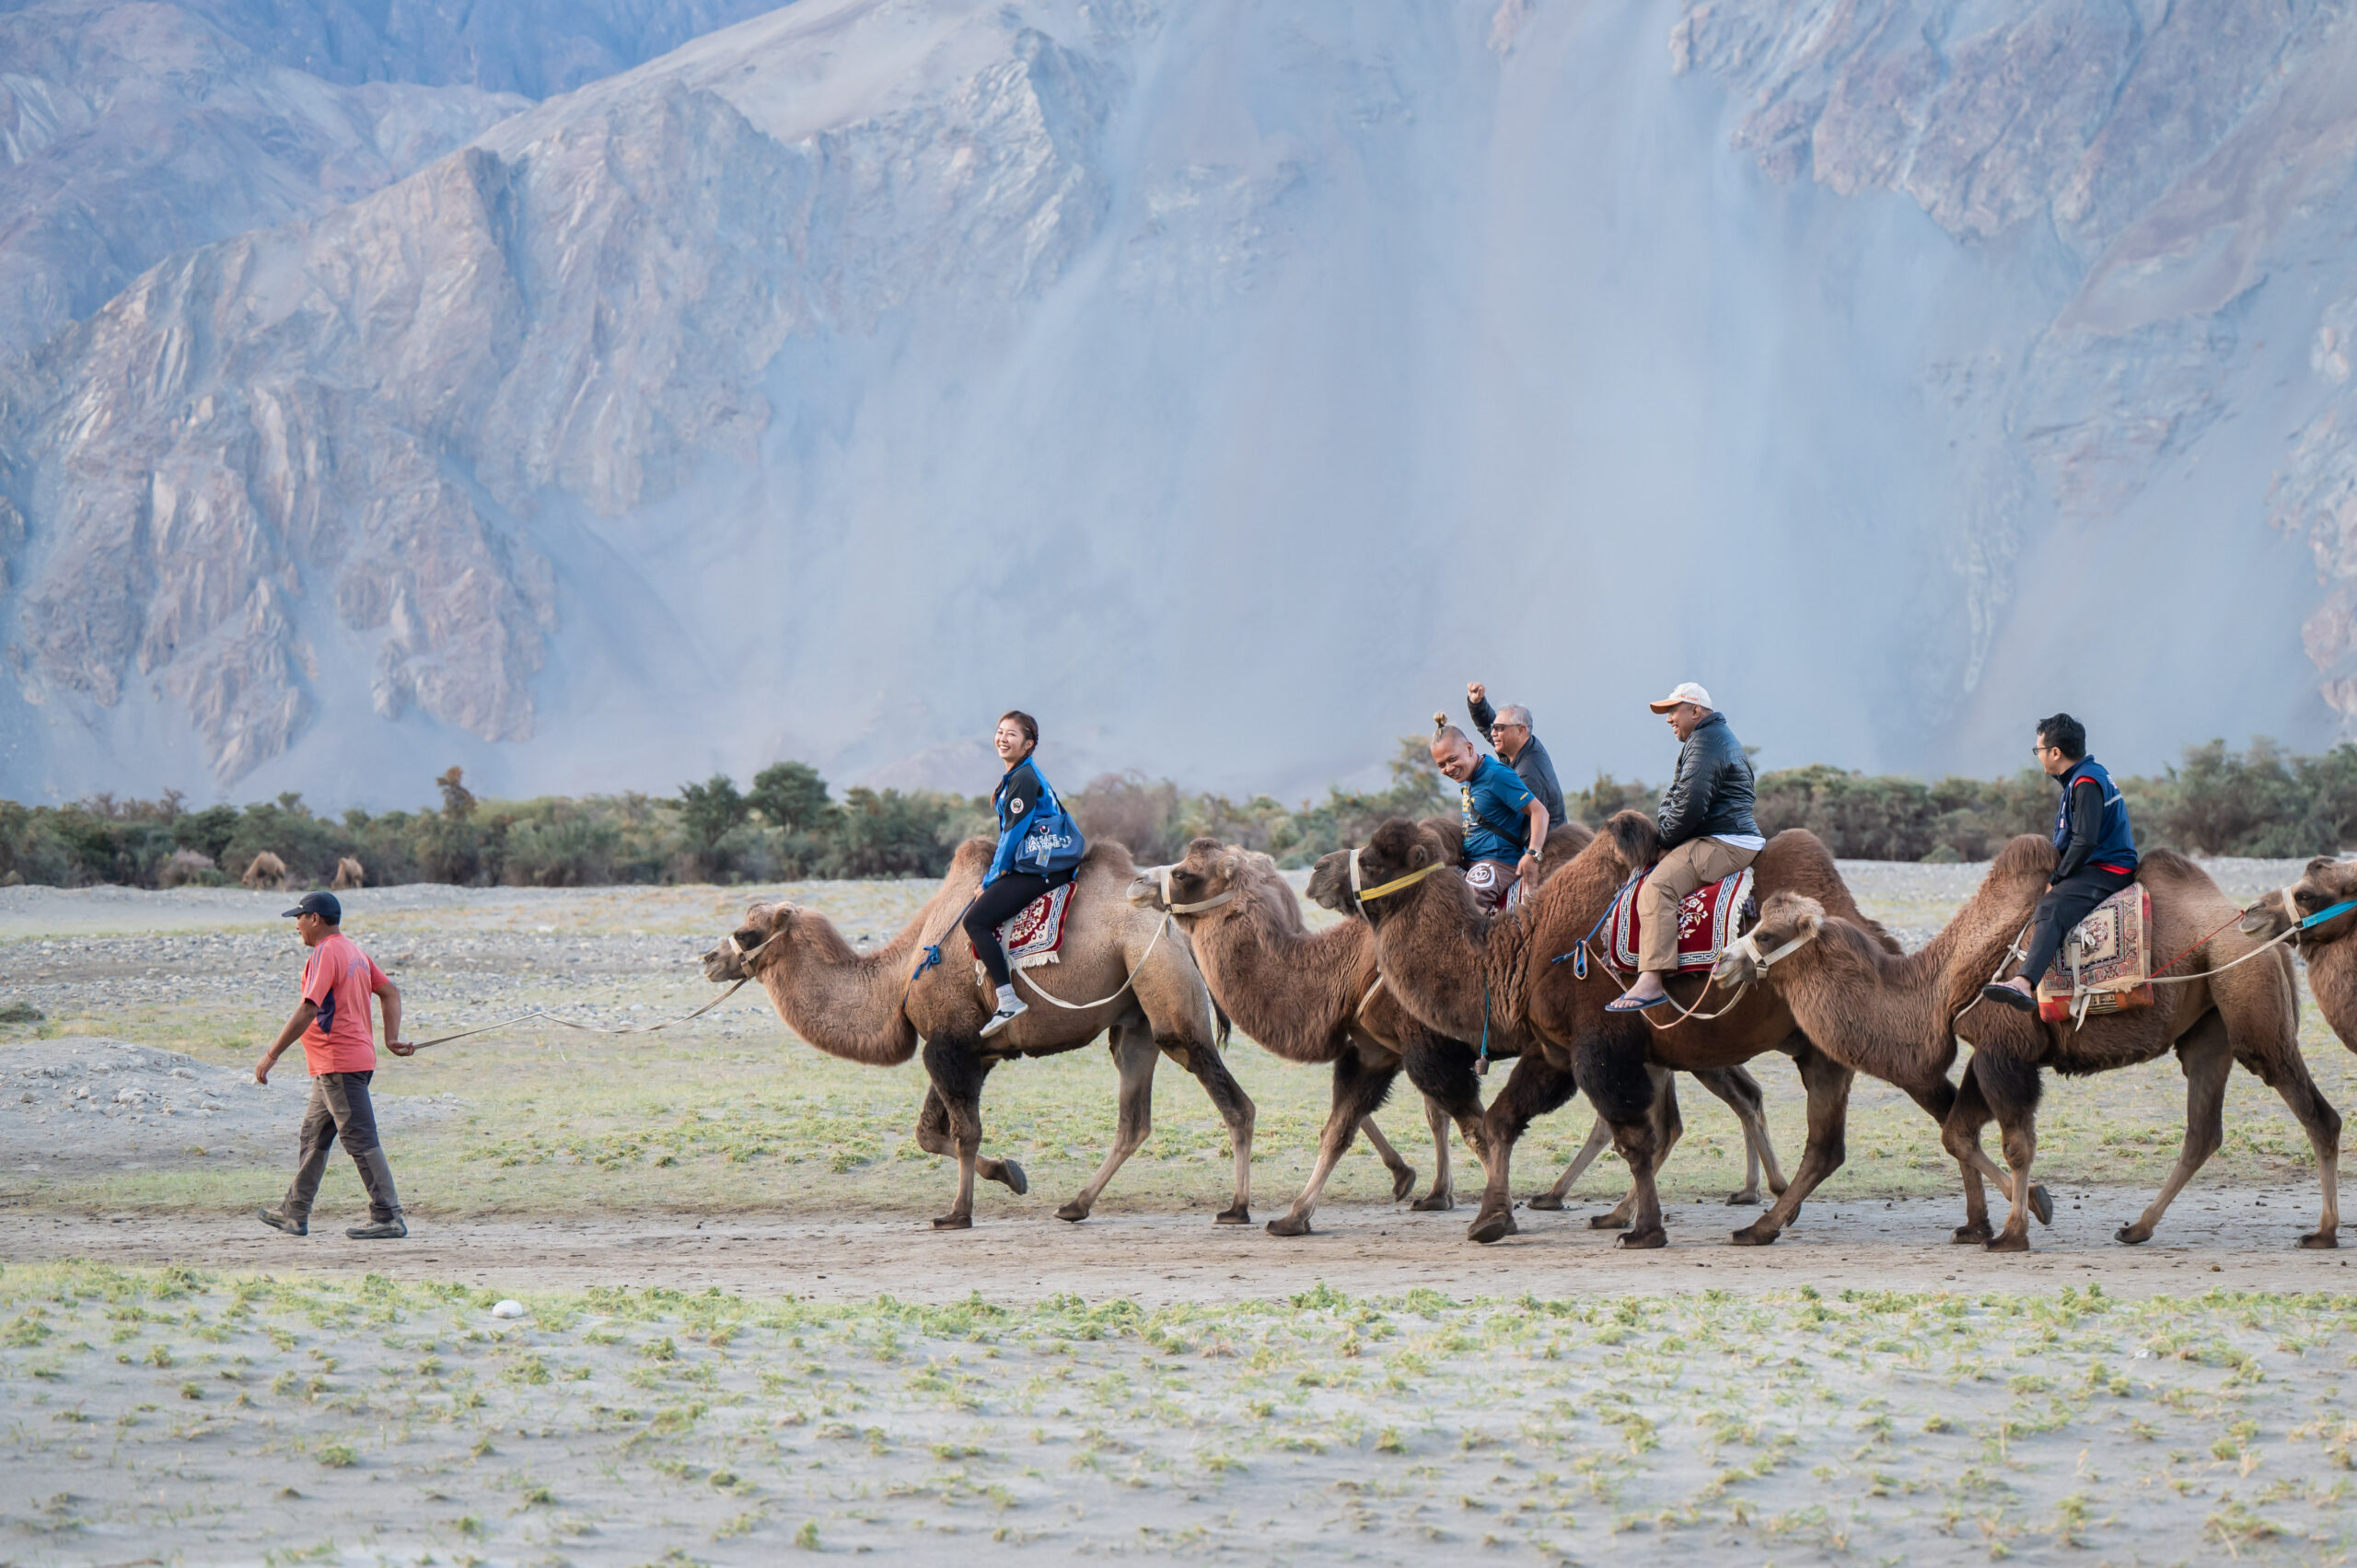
1304 997
265 873
878 1008
1460 972
1447 1066
349 874
1898 1018
2332 957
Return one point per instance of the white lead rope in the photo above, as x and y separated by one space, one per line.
1024 975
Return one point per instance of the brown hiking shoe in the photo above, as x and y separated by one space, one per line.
379 1230
278 1219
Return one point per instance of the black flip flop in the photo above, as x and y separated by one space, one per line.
2019 1001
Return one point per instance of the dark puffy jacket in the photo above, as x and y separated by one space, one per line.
1711 796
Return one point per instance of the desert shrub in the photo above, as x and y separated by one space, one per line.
1141 813
888 834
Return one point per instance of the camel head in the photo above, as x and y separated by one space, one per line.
1787 920
728 962
2323 883
1330 882
1209 870
1398 849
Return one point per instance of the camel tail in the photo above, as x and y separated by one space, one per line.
1226 1025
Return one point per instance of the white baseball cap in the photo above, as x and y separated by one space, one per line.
1685 692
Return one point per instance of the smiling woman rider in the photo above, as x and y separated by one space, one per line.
1039 850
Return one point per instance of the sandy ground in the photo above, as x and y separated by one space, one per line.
2237 1239
722 1384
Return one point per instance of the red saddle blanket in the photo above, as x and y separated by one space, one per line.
1032 936
2106 962
1706 923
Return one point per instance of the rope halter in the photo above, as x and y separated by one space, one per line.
1362 895
1196 908
1747 946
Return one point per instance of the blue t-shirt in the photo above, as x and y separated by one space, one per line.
1494 799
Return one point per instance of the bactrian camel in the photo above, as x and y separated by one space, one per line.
1304 997
1454 968
2323 886
1898 1018
1444 1069
878 1008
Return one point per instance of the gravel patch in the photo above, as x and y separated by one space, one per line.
80 1101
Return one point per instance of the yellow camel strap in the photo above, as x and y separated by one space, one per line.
1396 883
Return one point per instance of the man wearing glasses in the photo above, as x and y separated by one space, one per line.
2099 853
1509 730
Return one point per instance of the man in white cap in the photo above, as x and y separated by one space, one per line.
1706 833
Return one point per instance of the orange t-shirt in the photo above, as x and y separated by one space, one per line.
339 980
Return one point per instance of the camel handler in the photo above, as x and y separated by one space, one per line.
1505 825
1509 730
338 1046
2099 853
1707 832
1040 848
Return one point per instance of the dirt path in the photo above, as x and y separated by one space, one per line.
2237 1239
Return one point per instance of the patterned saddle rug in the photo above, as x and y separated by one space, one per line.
1707 922
1036 930
2106 962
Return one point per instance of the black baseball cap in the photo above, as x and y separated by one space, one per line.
324 905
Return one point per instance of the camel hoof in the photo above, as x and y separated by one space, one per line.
1403 1181
2131 1234
1432 1203
1491 1227
1288 1225
2320 1240
1074 1212
1012 1174
954 1221
1237 1216
1974 1236
1645 1240
1616 1220
1542 1201
2008 1243
1757 1236
2040 1204
1746 1199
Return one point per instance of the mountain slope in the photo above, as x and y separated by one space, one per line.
1228 385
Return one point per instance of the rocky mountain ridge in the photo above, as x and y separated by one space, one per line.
864 365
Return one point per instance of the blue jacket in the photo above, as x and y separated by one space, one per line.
1035 833
2100 839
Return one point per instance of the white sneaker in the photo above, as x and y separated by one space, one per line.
1007 1013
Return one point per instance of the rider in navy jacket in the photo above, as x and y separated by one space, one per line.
1040 848
2096 848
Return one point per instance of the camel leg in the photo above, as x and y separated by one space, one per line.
1443 1070
1962 1112
1534 1086
1359 1088
933 1137
1740 1091
2322 1124
1133 1060
1403 1175
1669 1127
2207 1060
1599 1138
1235 1107
957 1071
1828 1084
1444 1192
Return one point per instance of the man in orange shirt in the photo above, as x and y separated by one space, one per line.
340 1045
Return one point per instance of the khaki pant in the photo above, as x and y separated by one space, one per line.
340 1108
1694 865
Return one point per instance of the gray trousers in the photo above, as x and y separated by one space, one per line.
340 1108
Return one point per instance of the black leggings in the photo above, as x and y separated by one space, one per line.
2066 903
998 903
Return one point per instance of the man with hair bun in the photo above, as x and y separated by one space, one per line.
2097 852
1505 825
